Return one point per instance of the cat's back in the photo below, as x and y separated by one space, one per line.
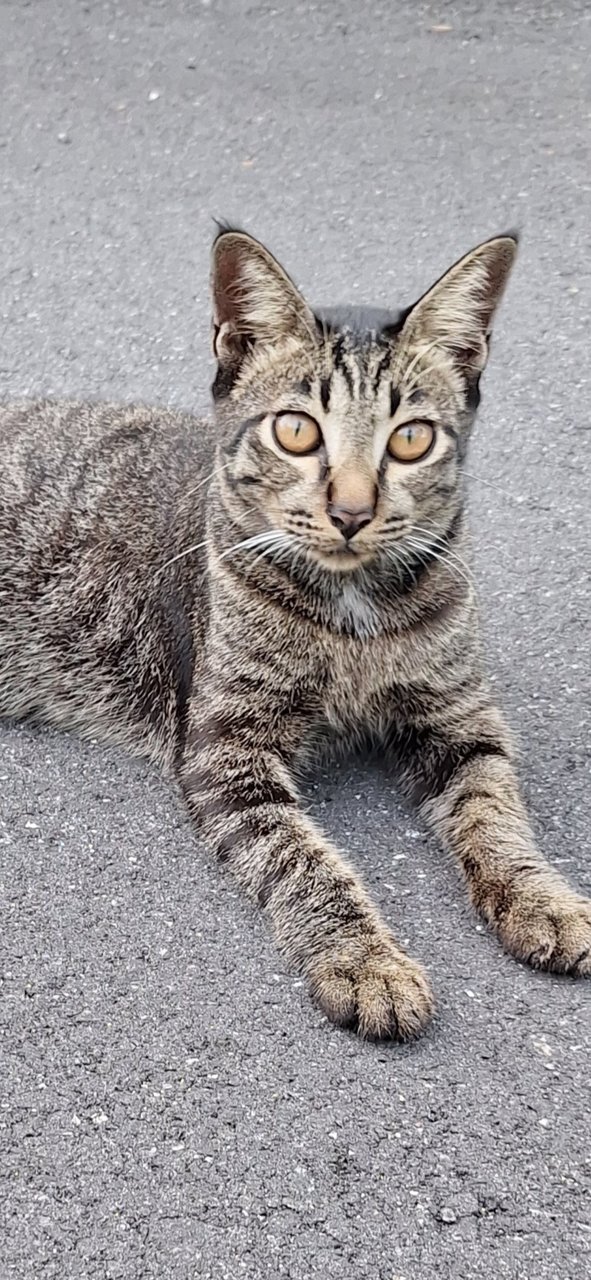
95 501
98 469
55 450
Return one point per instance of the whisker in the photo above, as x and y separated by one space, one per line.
187 552
452 569
276 549
251 544
197 546
256 540
443 545
223 467
519 499
401 558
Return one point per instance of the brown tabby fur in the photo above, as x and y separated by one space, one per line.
178 587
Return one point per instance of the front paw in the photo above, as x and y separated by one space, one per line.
550 929
372 987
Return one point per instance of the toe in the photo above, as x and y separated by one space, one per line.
382 994
335 995
554 935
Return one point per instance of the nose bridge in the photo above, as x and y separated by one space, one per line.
353 487
351 499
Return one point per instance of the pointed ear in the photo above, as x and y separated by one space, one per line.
457 313
254 300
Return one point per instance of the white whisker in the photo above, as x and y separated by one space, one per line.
407 562
251 544
505 493
197 546
270 542
187 552
400 558
453 569
444 546
206 479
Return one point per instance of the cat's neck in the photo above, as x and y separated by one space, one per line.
377 598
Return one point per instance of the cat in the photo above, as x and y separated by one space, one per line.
216 595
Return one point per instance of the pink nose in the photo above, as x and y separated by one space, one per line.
347 521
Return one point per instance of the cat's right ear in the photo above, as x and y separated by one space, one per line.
255 304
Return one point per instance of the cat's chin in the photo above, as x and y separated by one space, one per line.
342 559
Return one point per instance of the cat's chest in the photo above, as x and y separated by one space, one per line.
355 614
370 667
361 671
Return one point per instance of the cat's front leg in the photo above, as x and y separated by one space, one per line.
459 769
238 785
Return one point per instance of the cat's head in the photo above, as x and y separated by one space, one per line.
342 433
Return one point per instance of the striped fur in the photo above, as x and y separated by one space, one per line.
178 587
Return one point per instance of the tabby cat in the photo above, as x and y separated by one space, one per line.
220 596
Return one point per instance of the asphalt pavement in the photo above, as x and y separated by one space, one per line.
171 1104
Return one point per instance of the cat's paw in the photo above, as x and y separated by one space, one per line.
551 930
377 991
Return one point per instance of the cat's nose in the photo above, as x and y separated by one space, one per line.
349 520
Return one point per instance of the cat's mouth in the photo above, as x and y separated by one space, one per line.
346 556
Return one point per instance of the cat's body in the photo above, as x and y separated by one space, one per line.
133 607
92 506
104 615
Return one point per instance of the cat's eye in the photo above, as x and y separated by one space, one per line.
297 432
411 441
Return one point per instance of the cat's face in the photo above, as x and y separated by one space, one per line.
342 434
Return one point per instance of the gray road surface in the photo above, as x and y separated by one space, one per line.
171 1104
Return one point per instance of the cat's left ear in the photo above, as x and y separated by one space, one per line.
457 312
255 304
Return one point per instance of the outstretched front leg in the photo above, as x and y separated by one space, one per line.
237 780
457 763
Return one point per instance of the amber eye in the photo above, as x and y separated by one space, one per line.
411 441
296 432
